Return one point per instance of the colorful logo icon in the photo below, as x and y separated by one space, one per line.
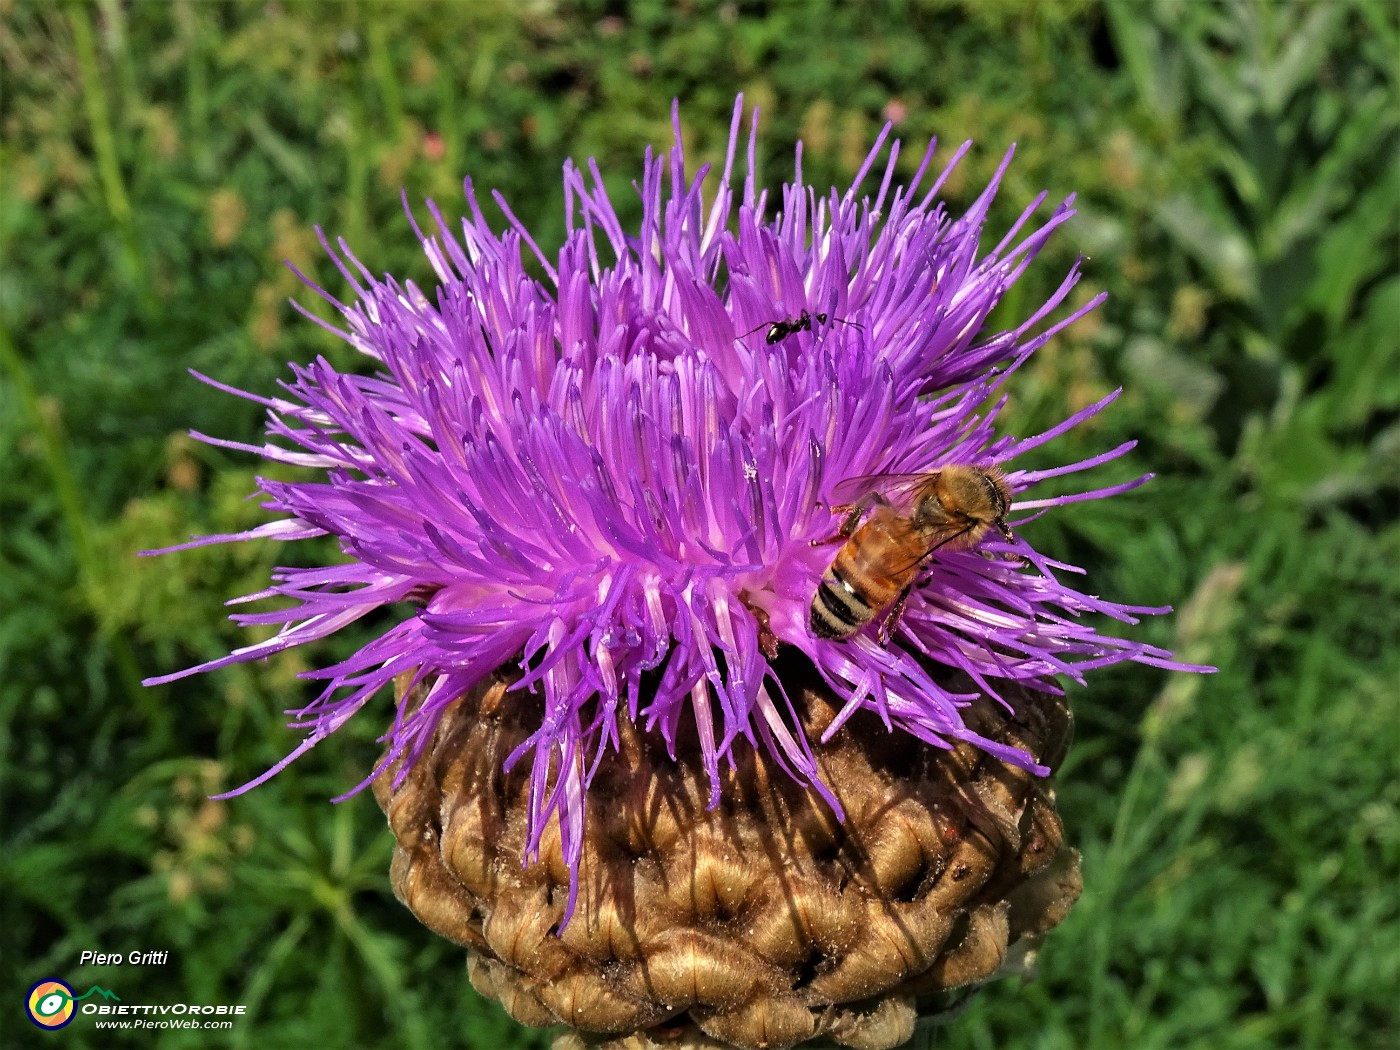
50 1004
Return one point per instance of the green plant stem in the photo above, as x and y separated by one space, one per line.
382 64
99 117
197 93
357 178
75 520
264 973
1115 863
104 143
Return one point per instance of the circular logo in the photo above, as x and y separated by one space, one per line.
50 1004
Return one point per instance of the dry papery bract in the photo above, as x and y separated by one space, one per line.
765 922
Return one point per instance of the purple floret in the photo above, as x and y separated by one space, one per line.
614 473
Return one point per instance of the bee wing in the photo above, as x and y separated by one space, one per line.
942 541
899 489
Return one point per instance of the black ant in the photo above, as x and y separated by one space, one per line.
780 330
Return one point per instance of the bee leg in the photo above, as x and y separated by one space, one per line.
854 512
767 640
892 617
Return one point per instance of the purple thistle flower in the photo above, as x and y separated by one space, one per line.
619 472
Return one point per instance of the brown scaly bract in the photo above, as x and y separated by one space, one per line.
762 923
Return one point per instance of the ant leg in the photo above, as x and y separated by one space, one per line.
892 617
842 320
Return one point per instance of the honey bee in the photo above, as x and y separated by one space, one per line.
951 509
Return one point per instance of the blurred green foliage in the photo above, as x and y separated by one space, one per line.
1239 199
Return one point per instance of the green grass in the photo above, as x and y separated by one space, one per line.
1239 201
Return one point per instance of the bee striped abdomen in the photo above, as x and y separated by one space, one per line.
853 588
838 610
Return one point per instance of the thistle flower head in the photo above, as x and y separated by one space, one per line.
613 476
